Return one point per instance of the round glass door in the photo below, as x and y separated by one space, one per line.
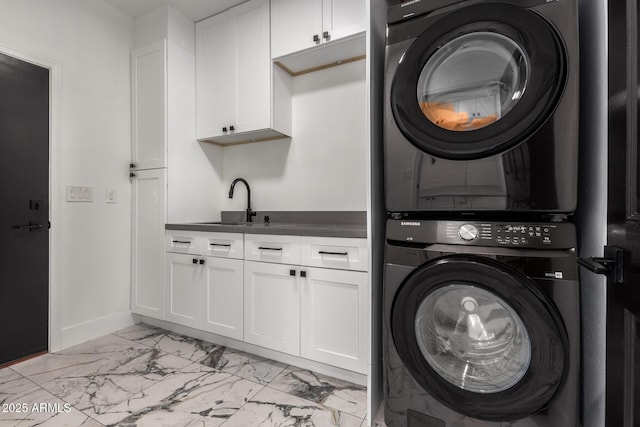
478 81
472 81
480 337
472 338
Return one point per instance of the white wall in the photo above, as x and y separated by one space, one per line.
90 42
323 167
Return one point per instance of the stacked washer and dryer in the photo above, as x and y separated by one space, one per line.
481 294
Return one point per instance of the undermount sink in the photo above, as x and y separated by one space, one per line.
225 223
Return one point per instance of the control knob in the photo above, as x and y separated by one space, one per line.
468 232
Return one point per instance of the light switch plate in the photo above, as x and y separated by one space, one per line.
77 193
110 195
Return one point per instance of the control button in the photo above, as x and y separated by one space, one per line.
468 232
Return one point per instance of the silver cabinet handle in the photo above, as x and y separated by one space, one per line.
333 253
265 248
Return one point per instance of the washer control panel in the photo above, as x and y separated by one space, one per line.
495 234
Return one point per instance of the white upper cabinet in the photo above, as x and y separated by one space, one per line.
215 75
342 18
337 27
149 106
296 25
241 96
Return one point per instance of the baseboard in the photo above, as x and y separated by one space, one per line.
77 334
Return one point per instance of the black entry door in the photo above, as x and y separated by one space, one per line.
623 298
24 186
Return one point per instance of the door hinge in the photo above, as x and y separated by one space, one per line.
611 264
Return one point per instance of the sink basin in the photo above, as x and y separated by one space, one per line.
225 223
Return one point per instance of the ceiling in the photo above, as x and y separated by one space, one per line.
193 9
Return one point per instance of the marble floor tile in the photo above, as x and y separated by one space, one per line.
179 345
146 376
328 391
95 357
245 365
23 403
198 396
275 408
139 331
95 394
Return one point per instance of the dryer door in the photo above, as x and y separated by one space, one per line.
480 337
478 81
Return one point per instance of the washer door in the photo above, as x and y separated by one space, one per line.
478 81
480 337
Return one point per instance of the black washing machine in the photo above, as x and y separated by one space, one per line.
481 106
481 325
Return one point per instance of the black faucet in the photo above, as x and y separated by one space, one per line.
250 213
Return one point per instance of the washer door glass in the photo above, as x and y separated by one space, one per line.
480 337
472 81
472 338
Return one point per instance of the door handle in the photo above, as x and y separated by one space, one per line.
611 265
30 227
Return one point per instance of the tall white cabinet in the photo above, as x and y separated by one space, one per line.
148 177
166 158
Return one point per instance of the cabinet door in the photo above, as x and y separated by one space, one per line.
334 318
224 300
272 306
183 289
215 74
252 108
294 23
149 106
342 18
149 214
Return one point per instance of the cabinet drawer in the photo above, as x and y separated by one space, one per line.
184 242
272 248
335 252
225 245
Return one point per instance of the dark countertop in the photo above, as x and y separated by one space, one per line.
347 224
320 230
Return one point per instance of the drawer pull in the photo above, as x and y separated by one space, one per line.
227 245
182 241
266 248
333 253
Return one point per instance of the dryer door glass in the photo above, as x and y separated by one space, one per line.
472 81
478 81
472 338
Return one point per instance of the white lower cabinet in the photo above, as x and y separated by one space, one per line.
223 299
272 306
183 289
333 317
317 313
204 281
306 297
